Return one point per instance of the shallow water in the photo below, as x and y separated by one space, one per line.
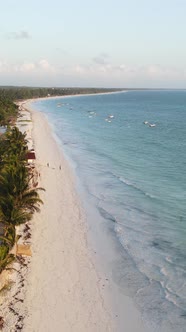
133 176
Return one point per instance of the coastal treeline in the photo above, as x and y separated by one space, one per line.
9 95
8 110
19 93
18 199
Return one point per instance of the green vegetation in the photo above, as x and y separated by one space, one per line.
8 95
19 93
8 111
18 200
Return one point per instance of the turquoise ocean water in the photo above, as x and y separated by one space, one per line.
134 176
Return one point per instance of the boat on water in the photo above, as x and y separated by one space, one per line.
149 124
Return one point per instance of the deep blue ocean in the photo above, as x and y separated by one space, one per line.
134 175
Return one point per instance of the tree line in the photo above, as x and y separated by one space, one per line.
17 93
8 95
18 199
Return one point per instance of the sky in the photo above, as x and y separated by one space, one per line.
100 43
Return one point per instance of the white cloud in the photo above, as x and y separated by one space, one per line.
19 35
101 59
42 66
124 75
26 67
162 72
93 74
4 67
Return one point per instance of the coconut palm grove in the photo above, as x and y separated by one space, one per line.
18 198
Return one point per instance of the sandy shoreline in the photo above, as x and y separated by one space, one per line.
63 285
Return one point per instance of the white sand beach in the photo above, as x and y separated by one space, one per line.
63 286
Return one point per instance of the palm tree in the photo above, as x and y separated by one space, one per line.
9 236
16 144
13 147
18 201
6 260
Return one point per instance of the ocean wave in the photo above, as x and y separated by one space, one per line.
174 298
130 184
106 214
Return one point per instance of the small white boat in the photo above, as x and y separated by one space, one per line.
152 125
145 122
111 116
